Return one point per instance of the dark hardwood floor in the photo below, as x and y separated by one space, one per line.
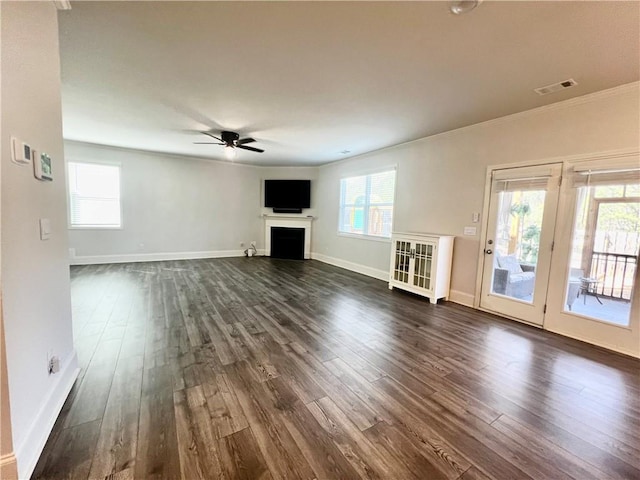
260 368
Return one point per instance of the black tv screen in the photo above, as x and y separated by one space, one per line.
287 195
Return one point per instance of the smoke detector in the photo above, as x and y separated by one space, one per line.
556 87
463 6
62 4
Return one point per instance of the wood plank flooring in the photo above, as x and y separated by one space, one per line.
270 369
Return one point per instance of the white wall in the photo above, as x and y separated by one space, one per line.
172 204
35 273
440 179
178 207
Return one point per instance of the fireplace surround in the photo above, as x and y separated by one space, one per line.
288 222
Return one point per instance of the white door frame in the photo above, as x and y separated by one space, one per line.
527 312
485 214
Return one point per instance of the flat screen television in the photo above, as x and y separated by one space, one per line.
287 196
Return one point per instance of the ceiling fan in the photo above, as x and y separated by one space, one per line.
231 141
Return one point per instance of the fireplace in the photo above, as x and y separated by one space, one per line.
288 225
287 242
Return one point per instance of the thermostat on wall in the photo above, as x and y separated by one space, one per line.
20 152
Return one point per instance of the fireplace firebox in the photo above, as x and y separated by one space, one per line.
287 243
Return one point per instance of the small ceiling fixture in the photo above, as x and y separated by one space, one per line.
231 141
62 4
464 6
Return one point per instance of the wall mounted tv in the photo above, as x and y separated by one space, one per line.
287 196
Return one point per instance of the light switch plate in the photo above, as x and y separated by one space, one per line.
471 231
45 229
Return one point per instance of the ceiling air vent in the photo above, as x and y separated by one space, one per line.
556 87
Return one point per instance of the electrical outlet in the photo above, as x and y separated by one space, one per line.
54 364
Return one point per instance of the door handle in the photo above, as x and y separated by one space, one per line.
488 251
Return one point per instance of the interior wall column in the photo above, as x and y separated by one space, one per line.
8 462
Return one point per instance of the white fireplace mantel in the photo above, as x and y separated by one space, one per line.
287 221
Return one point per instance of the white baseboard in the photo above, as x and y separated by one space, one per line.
455 296
152 257
608 346
28 452
354 267
462 298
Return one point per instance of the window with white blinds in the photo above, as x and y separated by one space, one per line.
94 195
366 204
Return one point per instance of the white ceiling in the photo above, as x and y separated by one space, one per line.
309 80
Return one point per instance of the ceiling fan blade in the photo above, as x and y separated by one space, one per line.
244 141
213 136
250 148
208 143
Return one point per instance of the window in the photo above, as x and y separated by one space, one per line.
366 204
94 195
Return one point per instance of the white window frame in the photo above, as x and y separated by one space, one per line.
71 226
342 205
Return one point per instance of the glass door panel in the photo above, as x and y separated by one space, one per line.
517 242
402 257
422 265
604 253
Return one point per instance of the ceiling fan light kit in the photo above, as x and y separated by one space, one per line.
231 141
229 152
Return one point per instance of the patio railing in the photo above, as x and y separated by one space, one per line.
615 273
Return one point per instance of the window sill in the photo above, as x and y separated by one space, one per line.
365 237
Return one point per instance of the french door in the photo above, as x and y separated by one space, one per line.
519 241
562 248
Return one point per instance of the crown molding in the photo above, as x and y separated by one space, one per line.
583 99
588 98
